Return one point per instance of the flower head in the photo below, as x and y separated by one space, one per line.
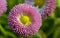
45 7
24 20
3 5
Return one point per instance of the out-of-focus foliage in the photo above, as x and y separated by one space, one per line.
50 26
58 3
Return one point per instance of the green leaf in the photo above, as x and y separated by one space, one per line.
57 33
58 3
57 12
20 1
48 26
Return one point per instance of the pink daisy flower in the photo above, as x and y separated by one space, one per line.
24 20
3 6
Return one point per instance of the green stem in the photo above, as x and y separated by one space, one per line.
2 30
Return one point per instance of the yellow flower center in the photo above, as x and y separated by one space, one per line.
25 20
39 3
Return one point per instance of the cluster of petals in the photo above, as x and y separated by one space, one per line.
34 12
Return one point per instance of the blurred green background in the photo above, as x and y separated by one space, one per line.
50 26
